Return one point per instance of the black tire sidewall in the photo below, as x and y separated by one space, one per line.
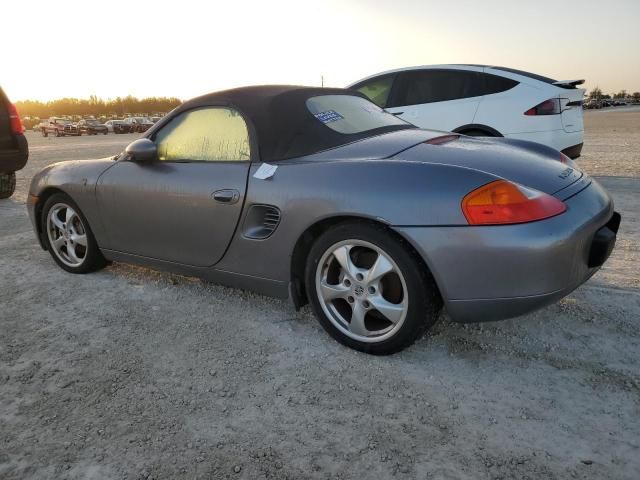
7 185
477 133
424 300
94 259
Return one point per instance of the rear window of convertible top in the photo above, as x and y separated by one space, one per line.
349 114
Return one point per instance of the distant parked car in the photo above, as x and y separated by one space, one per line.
138 124
481 100
117 126
60 127
91 126
14 149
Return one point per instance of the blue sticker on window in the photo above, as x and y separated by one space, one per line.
328 116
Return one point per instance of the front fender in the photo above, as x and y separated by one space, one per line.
75 178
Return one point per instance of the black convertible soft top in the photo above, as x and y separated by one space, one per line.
284 125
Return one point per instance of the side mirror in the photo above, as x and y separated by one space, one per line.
142 150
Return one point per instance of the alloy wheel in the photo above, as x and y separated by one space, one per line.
67 235
362 291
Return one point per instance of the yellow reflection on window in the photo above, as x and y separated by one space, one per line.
208 134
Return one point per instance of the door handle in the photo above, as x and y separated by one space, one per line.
226 196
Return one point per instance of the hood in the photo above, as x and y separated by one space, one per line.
526 163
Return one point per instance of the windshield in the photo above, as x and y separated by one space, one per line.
92 122
349 114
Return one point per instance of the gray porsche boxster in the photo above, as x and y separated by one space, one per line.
318 195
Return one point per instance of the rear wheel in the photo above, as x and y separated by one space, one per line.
58 133
7 184
368 289
477 133
68 236
45 133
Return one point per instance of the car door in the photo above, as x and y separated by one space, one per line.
438 99
184 207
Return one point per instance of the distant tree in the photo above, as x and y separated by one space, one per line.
595 94
620 94
636 96
95 106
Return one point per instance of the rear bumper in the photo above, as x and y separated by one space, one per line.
15 159
496 272
558 139
574 151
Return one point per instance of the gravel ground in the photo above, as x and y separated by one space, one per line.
133 374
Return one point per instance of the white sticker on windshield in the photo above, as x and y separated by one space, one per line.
265 171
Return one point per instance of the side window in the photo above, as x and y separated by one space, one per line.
497 84
377 89
428 86
211 134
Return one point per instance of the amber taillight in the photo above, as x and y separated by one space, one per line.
502 202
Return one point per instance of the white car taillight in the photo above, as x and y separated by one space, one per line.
548 107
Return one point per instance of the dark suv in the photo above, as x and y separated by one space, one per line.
14 149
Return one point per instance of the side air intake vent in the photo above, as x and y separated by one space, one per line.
261 221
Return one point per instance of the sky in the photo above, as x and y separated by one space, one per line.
185 48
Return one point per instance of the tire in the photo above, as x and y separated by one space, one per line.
7 184
45 133
57 132
477 133
89 258
406 292
105 132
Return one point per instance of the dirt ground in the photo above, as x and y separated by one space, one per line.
133 374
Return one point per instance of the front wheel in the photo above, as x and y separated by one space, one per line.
7 184
369 290
68 236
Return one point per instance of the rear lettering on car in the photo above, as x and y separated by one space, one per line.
565 173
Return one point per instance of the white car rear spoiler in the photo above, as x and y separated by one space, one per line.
568 83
